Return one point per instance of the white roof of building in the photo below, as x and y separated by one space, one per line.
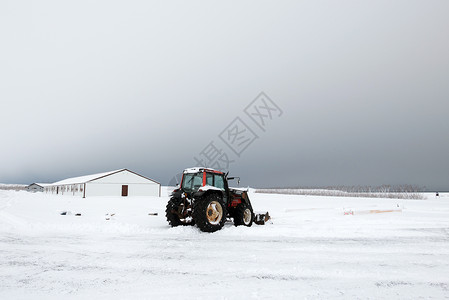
41 184
87 178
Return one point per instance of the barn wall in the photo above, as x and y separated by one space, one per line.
103 189
111 185
66 190
143 190
111 189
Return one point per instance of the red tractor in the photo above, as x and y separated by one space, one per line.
205 199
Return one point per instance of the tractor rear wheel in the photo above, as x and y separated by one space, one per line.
209 212
173 212
243 215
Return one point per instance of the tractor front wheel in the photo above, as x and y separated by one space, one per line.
209 212
174 213
243 215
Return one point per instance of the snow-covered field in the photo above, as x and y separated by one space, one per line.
310 250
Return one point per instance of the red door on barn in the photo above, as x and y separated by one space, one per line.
124 190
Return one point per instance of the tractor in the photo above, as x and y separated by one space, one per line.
204 198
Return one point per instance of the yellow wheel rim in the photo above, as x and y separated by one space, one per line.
247 216
214 212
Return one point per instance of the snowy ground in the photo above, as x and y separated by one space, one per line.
311 250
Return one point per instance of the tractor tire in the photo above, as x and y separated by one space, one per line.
209 212
173 218
243 215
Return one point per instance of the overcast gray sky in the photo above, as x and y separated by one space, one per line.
362 89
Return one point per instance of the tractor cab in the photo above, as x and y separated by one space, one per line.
200 180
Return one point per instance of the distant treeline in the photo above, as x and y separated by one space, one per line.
14 187
383 191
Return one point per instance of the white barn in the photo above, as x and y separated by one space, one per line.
36 187
121 182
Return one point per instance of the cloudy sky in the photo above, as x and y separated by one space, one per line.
355 92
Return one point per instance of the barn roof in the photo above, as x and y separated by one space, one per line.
87 178
40 184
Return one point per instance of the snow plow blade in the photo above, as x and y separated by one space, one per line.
261 219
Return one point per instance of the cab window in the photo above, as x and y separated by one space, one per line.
209 179
218 181
192 182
